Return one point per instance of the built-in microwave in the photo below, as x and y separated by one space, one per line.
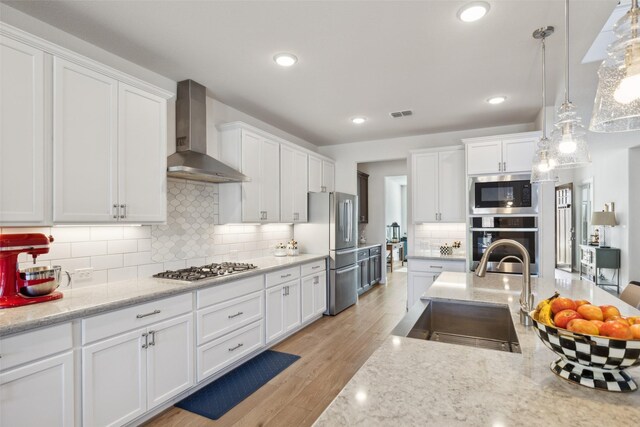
503 194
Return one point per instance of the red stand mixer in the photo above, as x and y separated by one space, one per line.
11 282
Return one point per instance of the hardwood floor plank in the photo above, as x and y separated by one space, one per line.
332 350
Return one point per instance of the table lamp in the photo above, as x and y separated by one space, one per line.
603 219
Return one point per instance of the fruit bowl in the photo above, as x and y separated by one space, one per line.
591 361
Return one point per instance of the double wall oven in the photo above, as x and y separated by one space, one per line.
504 207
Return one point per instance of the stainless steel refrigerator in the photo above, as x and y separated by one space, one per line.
332 229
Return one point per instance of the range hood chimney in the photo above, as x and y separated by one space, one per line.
190 161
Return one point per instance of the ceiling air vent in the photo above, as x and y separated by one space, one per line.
398 114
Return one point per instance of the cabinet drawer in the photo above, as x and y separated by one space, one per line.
314 267
228 316
436 265
374 251
227 291
282 276
28 346
220 353
119 321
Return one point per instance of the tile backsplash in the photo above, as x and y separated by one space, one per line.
189 238
432 236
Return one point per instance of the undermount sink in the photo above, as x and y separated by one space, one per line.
460 322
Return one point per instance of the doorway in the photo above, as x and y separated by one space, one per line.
565 229
395 217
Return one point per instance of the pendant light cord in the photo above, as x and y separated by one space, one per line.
544 93
566 51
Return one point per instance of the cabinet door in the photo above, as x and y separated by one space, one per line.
484 157
425 187
142 154
315 175
417 284
84 144
292 305
307 292
22 140
517 154
270 180
170 359
363 198
320 293
328 176
114 388
300 175
287 178
39 394
451 186
250 153
274 313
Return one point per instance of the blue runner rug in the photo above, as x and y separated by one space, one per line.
214 400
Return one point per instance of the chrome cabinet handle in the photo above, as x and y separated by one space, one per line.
124 211
504 166
146 340
435 266
153 338
231 316
499 166
140 316
315 266
285 276
116 211
236 347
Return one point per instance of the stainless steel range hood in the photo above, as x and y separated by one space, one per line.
190 161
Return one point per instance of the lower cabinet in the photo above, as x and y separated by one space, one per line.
423 272
417 284
129 374
283 309
314 296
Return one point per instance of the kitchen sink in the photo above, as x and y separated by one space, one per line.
472 324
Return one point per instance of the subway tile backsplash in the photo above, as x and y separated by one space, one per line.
432 236
189 238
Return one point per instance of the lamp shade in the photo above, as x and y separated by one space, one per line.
604 218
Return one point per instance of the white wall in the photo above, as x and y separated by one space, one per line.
375 230
393 204
634 217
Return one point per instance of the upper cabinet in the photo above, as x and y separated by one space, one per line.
321 175
438 185
107 162
258 157
24 154
501 154
363 197
109 149
293 184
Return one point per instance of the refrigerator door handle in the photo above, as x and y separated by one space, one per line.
350 218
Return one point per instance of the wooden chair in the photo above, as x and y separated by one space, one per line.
631 294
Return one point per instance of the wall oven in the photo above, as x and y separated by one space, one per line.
485 230
503 195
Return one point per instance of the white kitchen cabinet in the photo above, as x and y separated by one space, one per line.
313 296
423 272
501 154
258 157
23 153
321 175
438 183
283 309
293 185
128 374
418 283
109 149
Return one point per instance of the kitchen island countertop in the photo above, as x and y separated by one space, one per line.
414 382
91 300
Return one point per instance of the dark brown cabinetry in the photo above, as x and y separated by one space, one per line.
363 198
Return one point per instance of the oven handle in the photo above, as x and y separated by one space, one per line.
504 229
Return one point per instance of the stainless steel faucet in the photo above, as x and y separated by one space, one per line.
526 297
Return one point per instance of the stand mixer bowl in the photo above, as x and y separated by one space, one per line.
38 274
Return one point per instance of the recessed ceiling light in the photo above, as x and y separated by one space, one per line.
359 120
495 100
285 59
473 11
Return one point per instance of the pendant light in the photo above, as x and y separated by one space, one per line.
543 167
569 138
617 104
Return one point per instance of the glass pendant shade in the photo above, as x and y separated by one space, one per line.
617 102
569 139
543 168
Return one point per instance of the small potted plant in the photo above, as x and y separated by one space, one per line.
292 248
281 250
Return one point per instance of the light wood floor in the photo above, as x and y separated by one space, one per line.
331 349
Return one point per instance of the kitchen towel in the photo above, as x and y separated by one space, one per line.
214 400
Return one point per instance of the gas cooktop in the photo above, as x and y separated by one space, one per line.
192 274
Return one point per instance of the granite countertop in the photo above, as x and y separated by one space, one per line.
435 254
415 382
368 245
91 300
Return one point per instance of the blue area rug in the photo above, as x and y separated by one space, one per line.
214 400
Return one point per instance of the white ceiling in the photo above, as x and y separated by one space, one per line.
355 58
